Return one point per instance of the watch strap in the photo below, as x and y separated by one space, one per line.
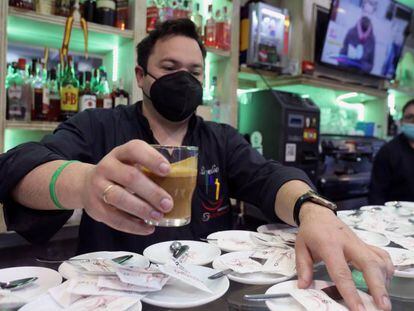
298 205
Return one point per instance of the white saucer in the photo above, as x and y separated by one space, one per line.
176 294
275 227
395 253
199 253
233 240
290 304
372 238
69 271
47 303
256 278
47 278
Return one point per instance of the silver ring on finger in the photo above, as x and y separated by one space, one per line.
106 192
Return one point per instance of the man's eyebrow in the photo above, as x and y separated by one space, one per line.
170 59
176 62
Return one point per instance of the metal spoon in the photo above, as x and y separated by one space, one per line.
15 284
175 247
119 260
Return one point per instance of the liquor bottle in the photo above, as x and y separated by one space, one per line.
226 37
89 8
105 12
152 15
22 4
210 29
166 11
40 93
45 6
87 99
219 30
19 94
64 7
215 101
104 99
53 113
177 6
10 73
95 80
121 16
245 34
197 19
186 9
121 97
69 92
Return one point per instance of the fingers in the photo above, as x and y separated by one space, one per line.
139 152
118 219
304 264
377 269
133 179
387 259
341 275
376 278
131 204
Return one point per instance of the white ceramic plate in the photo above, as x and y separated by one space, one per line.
398 252
199 253
238 240
372 238
272 227
374 208
47 303
406 204
69 271
47 278
289 303
256 278
176 294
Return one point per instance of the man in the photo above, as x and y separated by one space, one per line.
112 146
359 43
392 176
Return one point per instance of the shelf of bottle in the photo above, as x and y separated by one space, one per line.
218 52
32 125
33 28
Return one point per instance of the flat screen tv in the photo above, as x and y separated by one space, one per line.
366 36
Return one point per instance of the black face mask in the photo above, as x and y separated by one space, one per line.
176 96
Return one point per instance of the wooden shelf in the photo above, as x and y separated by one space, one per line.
248 78
33 28
31 125
217 54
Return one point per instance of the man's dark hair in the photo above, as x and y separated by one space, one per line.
409 103
179 27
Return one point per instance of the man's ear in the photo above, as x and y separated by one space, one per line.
139 74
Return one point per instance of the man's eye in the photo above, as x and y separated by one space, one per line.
196 73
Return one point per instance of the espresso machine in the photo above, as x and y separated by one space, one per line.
345 168
282 126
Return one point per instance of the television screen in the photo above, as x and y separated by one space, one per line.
366 36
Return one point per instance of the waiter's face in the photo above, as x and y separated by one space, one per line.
169 55
408 116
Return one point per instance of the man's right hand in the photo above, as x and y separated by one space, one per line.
134 196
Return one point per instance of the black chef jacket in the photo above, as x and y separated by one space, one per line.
224 156
392 176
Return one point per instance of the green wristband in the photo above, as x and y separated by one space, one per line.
52 184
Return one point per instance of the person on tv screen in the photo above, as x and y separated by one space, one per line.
358 48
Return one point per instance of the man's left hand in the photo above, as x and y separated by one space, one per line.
322 236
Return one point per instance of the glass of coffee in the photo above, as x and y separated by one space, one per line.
179 183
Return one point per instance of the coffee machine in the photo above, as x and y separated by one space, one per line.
282 126
345 168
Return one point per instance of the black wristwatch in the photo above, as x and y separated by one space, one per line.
311 196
